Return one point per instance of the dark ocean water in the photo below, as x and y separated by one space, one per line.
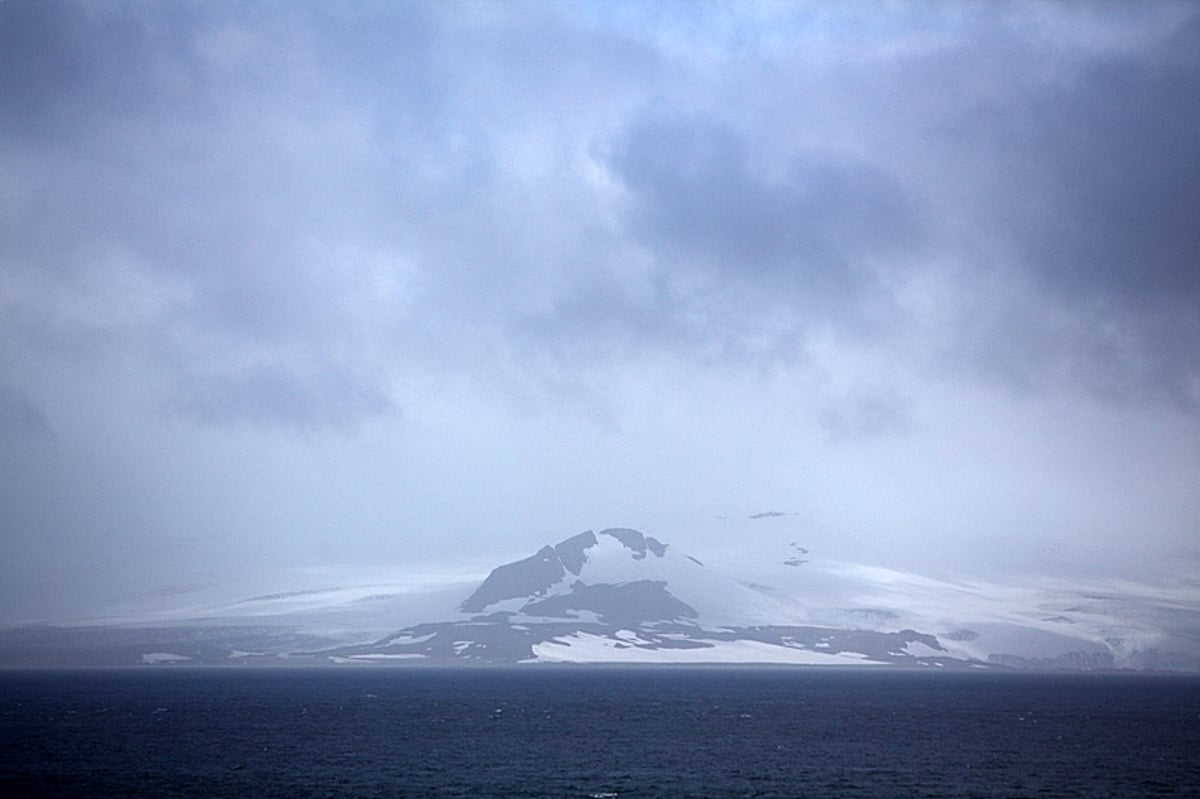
596 732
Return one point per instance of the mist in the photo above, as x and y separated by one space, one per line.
305 290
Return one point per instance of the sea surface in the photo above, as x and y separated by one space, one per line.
600 732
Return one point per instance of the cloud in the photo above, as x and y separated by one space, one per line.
1087 189
20 418
53 76
250 160
268 394
693 177
696 201
865 413
465 273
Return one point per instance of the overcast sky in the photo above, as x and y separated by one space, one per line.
423 286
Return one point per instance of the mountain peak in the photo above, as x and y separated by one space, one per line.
536 575
637 542
572 552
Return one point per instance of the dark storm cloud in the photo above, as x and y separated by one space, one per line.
1121 146
696 197
1098 203
740 264
60 67
20 418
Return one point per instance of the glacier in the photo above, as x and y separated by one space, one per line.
620 596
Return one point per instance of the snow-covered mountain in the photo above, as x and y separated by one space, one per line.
618 595
621 596
620 575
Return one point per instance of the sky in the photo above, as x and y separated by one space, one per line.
420 287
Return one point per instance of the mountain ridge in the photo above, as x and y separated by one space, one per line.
550 565
618 595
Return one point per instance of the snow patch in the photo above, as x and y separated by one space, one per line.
410 639
630 648
377 657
